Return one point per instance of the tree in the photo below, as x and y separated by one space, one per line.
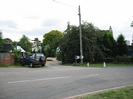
90 47
70 44
25 43
51 41
131 24
1 43
109 45
121 45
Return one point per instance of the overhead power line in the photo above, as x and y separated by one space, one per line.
63 3
80 29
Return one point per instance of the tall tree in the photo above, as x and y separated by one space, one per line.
51 41
25 43
121 45
70 44
1 43
109 44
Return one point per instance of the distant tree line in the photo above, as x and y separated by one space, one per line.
98 45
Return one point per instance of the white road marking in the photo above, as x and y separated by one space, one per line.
97 91
33 80
92 75
52 78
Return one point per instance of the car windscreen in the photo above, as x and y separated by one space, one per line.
37 56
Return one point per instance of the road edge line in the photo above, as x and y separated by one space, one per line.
97 91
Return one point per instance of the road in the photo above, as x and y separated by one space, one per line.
60 82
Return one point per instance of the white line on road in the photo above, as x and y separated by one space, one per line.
92 75
52 78
97 91
33 80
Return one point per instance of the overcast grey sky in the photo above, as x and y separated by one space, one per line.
34 18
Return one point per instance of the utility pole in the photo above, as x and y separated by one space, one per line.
80 31
132 34
131 24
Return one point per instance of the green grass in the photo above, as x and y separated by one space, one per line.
110 65
124 93
101 65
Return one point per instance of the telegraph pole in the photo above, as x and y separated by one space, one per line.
132 34
80 31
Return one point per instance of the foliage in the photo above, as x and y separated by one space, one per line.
70 44
15 43
123 93
121 45
1 43
17 56
98 45
25 43
51 41
109 45
5 45
123 59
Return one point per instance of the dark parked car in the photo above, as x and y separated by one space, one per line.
34 59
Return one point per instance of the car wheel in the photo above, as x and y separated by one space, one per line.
23 64
43 64
31 64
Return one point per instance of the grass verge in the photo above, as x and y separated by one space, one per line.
101 65
110 65
124 93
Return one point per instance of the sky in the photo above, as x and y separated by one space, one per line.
34 18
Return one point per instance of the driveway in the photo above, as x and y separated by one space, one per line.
60 82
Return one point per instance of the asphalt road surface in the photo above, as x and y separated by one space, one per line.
60 82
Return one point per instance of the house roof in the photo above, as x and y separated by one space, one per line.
6 48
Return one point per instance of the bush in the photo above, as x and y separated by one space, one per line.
109 60
17 55
123 59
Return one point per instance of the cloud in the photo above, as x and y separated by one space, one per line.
31 27
36 17
45 27
32 17
51 23
36 33
7 24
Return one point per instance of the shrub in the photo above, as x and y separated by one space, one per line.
123 59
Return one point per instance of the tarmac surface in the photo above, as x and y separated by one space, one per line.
60 82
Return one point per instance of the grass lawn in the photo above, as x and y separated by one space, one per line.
124 93
110 65
101 65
